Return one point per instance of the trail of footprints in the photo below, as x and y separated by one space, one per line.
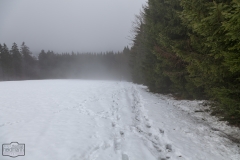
152 137
118 132
143 127
11 123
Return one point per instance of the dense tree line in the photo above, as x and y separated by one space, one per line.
16 64
190 48
20 64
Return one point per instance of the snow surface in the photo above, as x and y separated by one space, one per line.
108 120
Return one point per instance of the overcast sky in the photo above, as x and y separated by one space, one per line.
68 25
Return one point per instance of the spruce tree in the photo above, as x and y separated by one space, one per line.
28 63
6 62
1 69
214 40
17 61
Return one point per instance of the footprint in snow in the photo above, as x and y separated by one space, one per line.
122 133
169 147
125 156
117 143
113 124
161 131
148 126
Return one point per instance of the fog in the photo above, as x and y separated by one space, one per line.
65 26
59 33
110 65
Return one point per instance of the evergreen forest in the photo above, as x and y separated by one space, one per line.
187 48
20 64
191 49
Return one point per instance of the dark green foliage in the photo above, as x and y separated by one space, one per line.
138 52
215 43
28 63
1 67
170 32
6 63
159 37
191 49
21 65
17 61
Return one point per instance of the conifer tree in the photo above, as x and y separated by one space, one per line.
6 62
28 63
42 63
1 69
17 61
213 30
191 47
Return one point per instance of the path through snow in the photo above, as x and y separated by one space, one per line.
105 120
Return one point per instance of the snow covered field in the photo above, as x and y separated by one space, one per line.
108 120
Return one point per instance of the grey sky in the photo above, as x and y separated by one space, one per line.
68 25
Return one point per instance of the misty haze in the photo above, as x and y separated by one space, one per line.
119 80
